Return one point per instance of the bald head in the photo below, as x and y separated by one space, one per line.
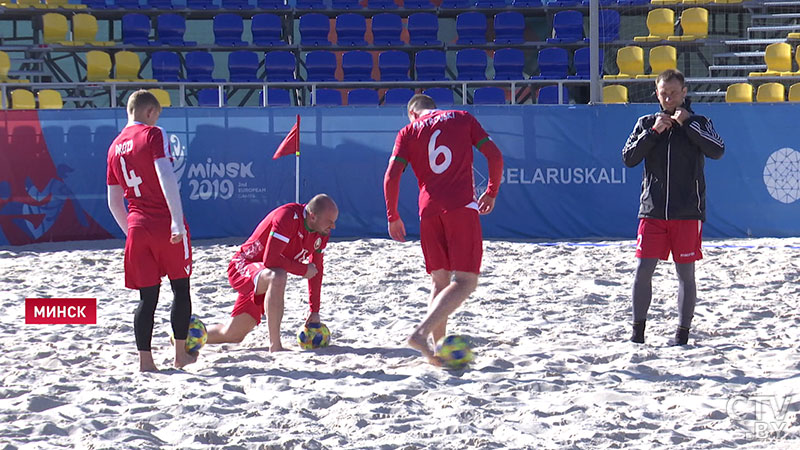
323 213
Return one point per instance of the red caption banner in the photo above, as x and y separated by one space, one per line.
60 311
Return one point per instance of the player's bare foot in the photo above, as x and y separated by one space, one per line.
147 368
146 363
421 344
184 359
276 348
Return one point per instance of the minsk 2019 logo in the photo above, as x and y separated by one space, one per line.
782 175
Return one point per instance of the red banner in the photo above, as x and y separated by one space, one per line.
60 311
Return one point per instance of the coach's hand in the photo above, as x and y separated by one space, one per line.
311 272
485 204
663 123
397 230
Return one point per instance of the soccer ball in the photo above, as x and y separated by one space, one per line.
197 336
454 351
313 335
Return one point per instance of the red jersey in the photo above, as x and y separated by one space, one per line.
438 146
131 164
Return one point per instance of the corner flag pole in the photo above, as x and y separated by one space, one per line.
297 164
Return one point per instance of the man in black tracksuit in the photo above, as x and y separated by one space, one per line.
673 144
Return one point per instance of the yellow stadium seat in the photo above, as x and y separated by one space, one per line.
662 58
50 99
739 93
771 92
5 66
694 22
22 99
84 31
797 59
660 24
793 36
696 2
630 61
23 4
778 57
794 92
98 66
615 93
162 96
51 4
664 2
54 29
127 66
727 2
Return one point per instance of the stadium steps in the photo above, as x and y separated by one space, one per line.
765 29
758 42
780 4
776 16
745 68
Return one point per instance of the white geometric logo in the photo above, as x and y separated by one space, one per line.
178 156
782 175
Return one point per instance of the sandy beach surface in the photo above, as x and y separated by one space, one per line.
549 324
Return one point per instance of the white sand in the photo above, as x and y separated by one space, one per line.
549 325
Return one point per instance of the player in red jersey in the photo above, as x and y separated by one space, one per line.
158 242
291 239
438 145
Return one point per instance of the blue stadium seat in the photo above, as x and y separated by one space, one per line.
508 64
235 4
490 95
633 2
272 4
200 67
280 66
96 4
601 2
418 4
136 29
509 28
160 4
553 64
171 28
563 3
320 66
350 29
567 26
362 97
608 25
357 66
266 29
394 65
276 97
381 4
242 66
526 3
128 4
581 62
429 65
423 29
441 95
166 66
228 29
548 95
386 29
455 4
471 28
328 97
314 29
471 64
490 4
397 96
201 4
346 4
310 4
210 97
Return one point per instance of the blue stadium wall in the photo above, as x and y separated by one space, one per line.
563 176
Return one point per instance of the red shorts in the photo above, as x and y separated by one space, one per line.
242 277
149 255
656 238
452 241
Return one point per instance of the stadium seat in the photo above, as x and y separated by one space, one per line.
697 2
553 64
277 97
397 96
490 4
471 28
778 57
548 95
455 4
567 27
229 5
580 61
266 29
127 4
201 4
314 29
310 4
5 66
272 4
471 64
728 2
394 65
228 29
362 97
98 66
320 66
609 22
96 4
739 93
171 28
417 4
357 66
423 29
665 2
526 3
615 93
50 99
159 4
63 4
386 29
22 99
694 23
630 61
242 66
562 3
136 29
210 97
771 92
162 96
662 58
127 66
508 64
200 67
794 92
280 66
441 95
54 29
381 4
797 59
509 28
346 4
328 97
490 95
84 31
350 29
660 24
166 66
429 65
601 2
633 2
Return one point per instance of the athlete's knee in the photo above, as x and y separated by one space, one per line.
466 280
441 278
274 277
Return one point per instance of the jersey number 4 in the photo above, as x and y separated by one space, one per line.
434 152
131 179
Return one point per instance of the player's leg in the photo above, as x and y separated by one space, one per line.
441 279
272 284
179 317
232 332
687 239
142 273
652 244
143 319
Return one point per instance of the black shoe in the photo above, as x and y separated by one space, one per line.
681 337
638 332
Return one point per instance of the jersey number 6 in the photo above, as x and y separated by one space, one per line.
434 152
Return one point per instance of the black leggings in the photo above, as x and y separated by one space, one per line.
643 290
144 316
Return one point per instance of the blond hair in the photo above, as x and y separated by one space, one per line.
141 100
421 102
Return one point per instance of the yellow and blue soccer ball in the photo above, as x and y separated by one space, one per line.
454 351
197 336
313 335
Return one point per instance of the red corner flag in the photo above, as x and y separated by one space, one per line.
291 143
